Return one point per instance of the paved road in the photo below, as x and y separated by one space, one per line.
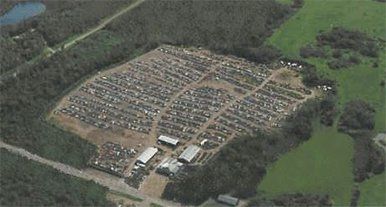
65 45
112 183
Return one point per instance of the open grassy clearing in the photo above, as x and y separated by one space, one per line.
361 81
373 191
321 165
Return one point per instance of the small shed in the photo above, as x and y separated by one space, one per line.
229 200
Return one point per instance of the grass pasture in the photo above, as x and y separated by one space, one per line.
359 82
323 164
373 191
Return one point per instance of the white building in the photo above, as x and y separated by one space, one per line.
168 141
189 153
169 166
147 155
232 201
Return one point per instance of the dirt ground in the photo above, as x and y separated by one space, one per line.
100 136
120 200
154 185
286 76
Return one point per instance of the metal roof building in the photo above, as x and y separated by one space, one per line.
168 140
169 166
228 200
147 155
189 153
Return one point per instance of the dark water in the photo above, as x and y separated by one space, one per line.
21 12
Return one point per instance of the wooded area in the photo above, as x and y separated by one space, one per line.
61 20
343 48
26 183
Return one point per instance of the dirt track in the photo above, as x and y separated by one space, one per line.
112 183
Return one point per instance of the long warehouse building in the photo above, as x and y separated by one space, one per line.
189 153
168 141
147 155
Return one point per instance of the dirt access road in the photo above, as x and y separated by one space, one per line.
112 183
68 43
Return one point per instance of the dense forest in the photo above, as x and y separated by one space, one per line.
223 26
61 20
26 183
357 115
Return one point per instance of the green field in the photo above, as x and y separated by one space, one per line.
373 191
361 81
323 164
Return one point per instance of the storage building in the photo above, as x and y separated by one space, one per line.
147 155
189 153
168 141
169 166
229 200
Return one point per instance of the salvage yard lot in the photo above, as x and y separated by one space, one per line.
140 100
188 94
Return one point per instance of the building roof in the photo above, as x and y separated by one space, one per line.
189 153
228 200
171 165
168 140
380 136
147 155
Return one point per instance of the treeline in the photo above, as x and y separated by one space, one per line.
27 183
344 48
294 199
16 51
357 116
230 27
6 5
63 19
358 120
241 164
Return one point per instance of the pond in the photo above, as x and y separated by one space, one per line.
21 12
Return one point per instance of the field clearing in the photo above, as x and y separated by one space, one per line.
360 81
321 165
373 191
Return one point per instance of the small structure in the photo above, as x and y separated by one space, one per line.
169 166
189 153
229 200
380 140
168 141
147 155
